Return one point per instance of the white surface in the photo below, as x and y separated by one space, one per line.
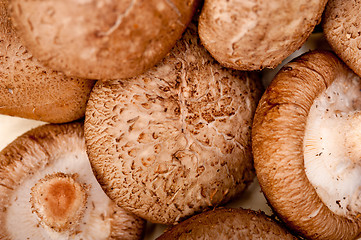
252 198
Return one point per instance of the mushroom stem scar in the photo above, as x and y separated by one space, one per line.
59 201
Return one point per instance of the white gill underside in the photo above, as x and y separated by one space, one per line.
328 160
96 224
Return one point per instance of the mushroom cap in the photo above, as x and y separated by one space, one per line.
30 90
277 143
252 35
176 139
56 153
342 31
101 39
228 223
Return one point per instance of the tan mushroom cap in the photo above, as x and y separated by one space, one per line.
277 141
48 190
176 139
30 90
252 35
228 223
342 29
101 39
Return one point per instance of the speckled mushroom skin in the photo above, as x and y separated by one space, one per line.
30 90
227 223
176 139
252 35
101 39
35 151
342 29
277 143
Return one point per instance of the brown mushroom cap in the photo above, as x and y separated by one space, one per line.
48 190
176 139
278 146
101 39
252 35
341 26
228 223
30 90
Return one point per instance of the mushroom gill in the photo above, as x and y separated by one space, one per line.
331 151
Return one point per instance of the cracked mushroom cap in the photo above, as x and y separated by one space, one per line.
101 39
176 139
228 223
30 90
342 29
48 190
252 35
305 144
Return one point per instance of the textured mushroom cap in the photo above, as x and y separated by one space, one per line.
341 26
30 90
101 39
53 149
277 143
228 223
252 35
176 139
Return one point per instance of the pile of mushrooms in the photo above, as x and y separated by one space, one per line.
156 119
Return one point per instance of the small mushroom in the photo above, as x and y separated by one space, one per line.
252 35
48 190
305 144
175 140
101 39
342 29
30 90
228 223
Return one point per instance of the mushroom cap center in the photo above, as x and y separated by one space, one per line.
59 201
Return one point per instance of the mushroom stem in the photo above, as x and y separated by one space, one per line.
59 201
352 137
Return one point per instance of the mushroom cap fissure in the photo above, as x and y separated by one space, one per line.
252 35
175 139
30 90
44 151
59 201
331 149
277 144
